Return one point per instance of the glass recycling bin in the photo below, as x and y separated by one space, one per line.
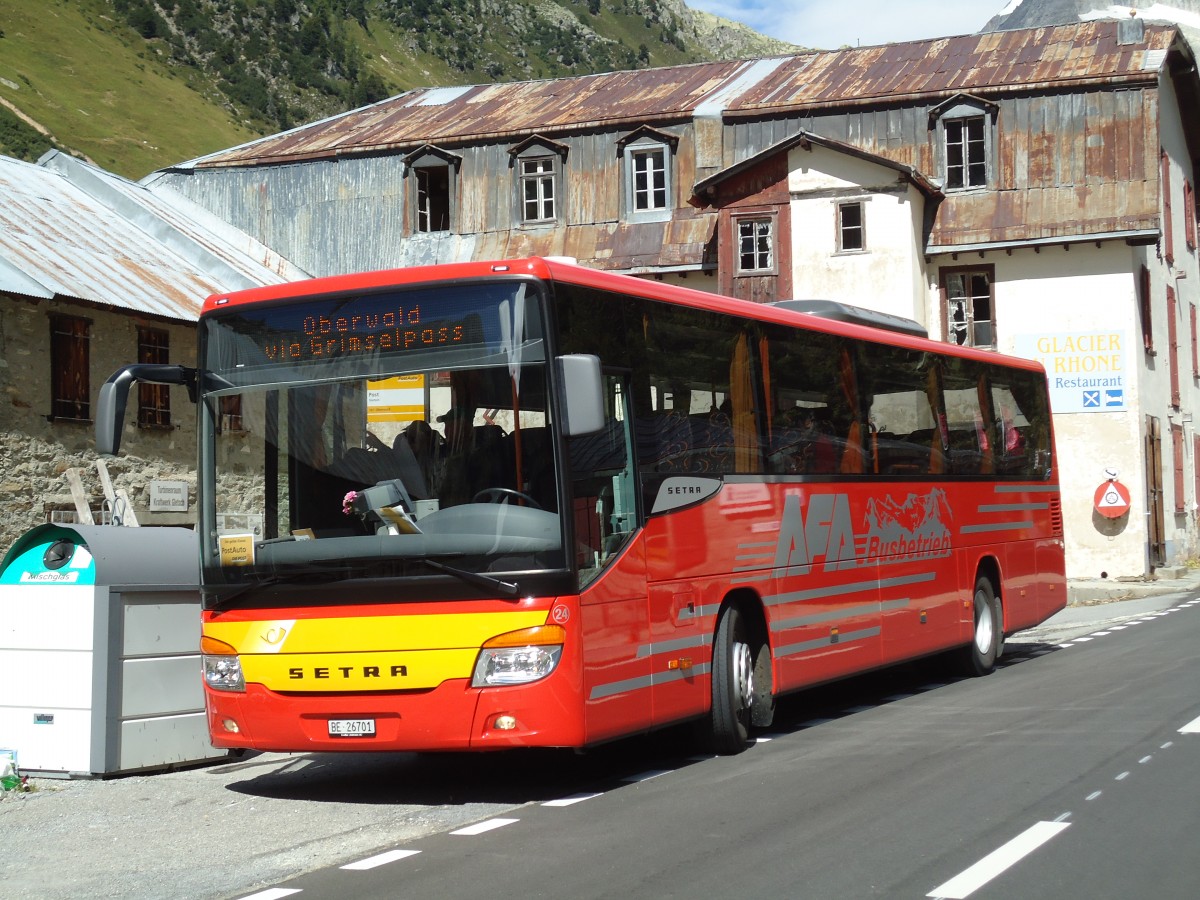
100 651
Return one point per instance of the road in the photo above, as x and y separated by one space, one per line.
1064 774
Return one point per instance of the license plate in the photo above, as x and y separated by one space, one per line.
351 728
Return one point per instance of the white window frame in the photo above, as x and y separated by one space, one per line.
755 228
649 179
539 174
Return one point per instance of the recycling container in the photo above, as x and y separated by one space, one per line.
100 651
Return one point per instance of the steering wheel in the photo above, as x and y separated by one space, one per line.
503 495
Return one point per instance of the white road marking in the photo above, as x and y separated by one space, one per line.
572 800
272 894
1093 795
381 859
1122 776
1192 727
998 861
481 827
1145 759
645 776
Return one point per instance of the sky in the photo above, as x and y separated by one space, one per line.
829 24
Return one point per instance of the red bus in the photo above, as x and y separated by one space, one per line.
524 503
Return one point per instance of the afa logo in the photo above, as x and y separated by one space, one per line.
822 532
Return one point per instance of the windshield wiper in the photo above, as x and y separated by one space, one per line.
507 588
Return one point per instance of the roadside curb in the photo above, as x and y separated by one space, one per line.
1168 580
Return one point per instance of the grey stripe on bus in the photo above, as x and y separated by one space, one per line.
852 588
1027 489
700 612
600 691
996 526
848 638
765 576
1012 507
846 613
684 643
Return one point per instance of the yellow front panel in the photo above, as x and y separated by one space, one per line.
372 653
369 671
360 633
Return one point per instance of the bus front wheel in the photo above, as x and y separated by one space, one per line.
734 653
979 657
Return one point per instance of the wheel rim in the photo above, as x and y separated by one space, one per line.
743 675
983 624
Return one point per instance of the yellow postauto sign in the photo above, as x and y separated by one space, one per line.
371 653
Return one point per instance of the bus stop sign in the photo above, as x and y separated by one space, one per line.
1112 499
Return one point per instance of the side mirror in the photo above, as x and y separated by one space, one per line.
581 392
114 395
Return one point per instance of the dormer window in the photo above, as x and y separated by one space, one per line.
433 198
649 173
538 165
966 156
432 183
963 127
648 157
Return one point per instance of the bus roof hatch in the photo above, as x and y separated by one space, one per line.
844 312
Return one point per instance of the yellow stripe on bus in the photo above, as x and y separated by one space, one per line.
356 634
368 671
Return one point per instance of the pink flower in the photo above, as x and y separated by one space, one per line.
347 501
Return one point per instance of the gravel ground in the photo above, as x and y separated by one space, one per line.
224 830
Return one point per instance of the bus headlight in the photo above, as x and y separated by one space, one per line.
222 665
519 657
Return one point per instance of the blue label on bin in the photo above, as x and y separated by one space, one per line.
29 567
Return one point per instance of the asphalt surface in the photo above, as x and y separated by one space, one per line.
189 833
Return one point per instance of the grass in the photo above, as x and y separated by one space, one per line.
101 90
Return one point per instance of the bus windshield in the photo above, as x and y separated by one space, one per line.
383 434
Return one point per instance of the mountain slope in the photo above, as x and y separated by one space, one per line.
1039 13
137 84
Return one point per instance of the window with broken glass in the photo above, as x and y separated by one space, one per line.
969 312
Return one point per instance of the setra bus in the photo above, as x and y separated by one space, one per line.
525 503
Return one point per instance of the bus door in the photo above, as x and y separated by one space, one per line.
611 561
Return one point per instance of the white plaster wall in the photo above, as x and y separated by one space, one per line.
887 275
1183 274
1085 289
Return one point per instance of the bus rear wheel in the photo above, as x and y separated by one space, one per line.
734 661
979 657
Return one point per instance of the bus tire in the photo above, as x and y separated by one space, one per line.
732 683
987 634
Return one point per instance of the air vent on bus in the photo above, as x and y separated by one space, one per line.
1056 518
844 312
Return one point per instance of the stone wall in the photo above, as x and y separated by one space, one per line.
36 452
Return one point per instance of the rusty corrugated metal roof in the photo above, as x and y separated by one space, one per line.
1000 61
483 112
68 229
986 63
